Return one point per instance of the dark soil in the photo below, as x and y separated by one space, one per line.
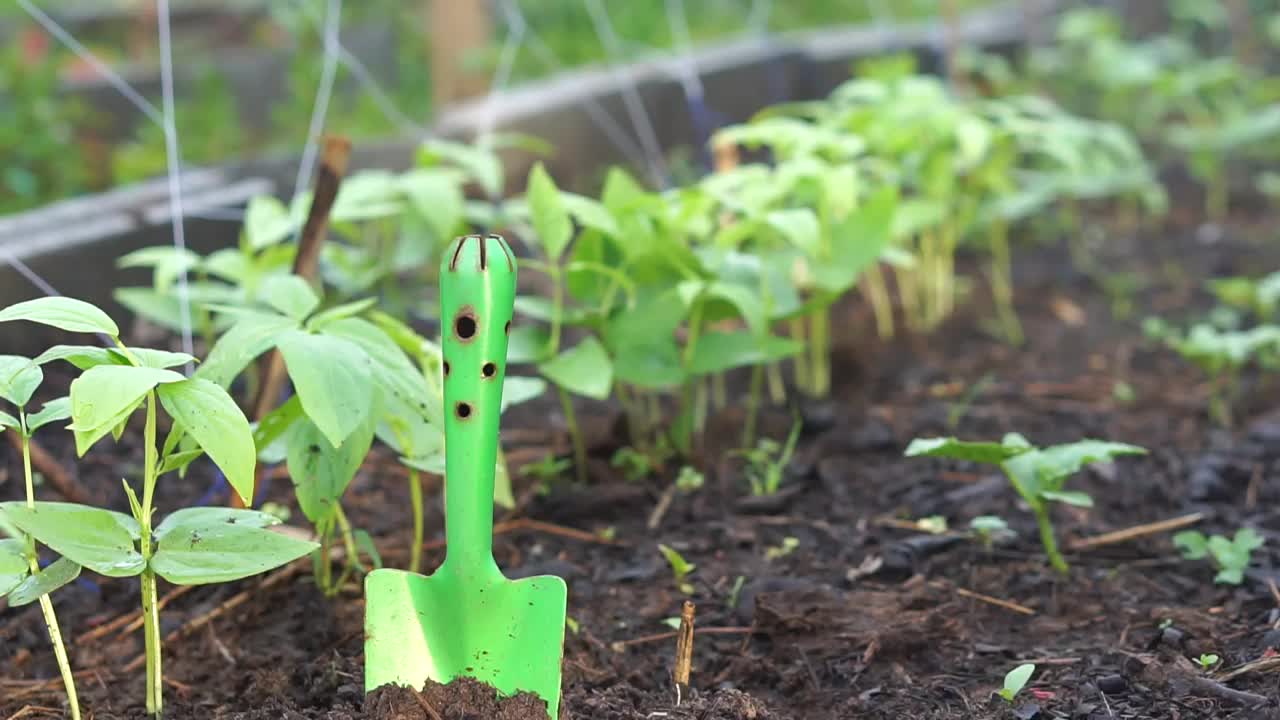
462 699
868 617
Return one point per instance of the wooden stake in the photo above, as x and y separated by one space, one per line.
333 166
684 650
1135 532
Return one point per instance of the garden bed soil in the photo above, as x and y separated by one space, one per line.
867 617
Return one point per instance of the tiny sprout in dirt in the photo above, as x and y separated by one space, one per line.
988 529
1230 555
767 462
680 568
690 479
1207 661
783 549
1038 475
1016 680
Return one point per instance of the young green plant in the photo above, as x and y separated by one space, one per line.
21 578
1230 555
191 546
1037 474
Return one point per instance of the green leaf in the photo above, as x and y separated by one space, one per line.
289 294
216 545
437 196
13 564
584 370
267 222
590 213
252 334
9 421
63 313
551 222
334 381
212 418
720 351
179 461
477 160
1060 461
321 472
53 411
341 312
516 390
19 378
159 359
59 573
168 263
1016 680
949 447
101 540
208 516
1070 497
857 242
1193 544
104 396
81 356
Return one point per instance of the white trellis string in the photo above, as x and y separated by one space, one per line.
52 27
630 96
598 115
174 164
320 107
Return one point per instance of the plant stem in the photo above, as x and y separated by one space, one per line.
881 305
1047 538
348 542
46 602
753 406
820 353
719 391
800 368
150 610
777 388
415 498
1002 284
575 435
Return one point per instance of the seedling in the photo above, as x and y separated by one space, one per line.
1015 680
635 465
191 546
1037 474
680 568
767 462
989 528
690 480
1207 661
1230 556
1220 354
783 549
21 578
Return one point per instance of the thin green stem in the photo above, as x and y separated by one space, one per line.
1002 284
419 525
753 406
150 608
46 602
799 367
575 435
719 391
820 353
877 293
1047 538
349 543
777 387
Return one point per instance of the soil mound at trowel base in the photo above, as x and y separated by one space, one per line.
463 699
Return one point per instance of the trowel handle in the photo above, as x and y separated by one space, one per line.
477 301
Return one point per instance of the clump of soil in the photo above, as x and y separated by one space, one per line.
621 703
462 699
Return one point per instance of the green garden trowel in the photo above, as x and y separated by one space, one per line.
468 619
